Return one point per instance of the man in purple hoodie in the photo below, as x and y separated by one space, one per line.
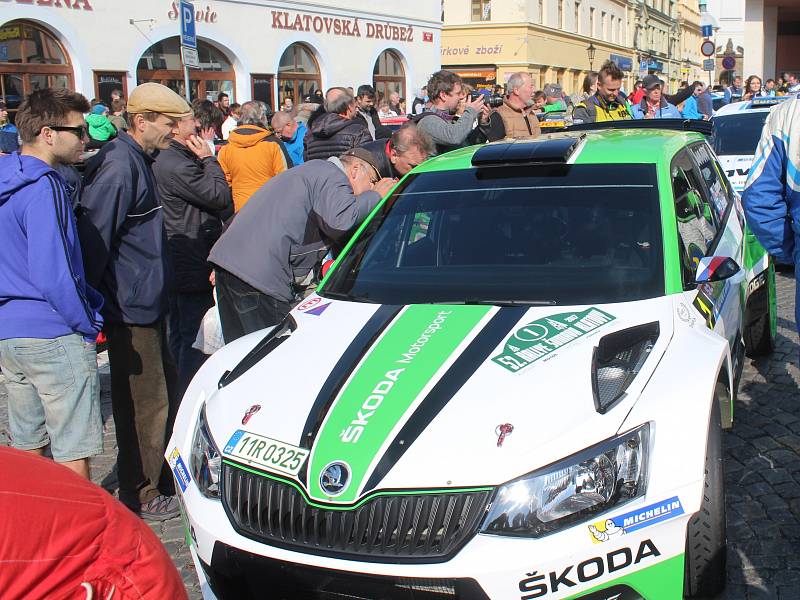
49 316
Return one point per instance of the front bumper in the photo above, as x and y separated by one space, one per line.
567 564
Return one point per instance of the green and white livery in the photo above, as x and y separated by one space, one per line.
511 384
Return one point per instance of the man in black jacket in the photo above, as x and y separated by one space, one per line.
195 196
408 147
367 114
121 230
335 131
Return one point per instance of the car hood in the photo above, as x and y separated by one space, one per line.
737 167
432 396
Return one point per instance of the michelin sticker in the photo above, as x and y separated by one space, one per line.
543 336
179 469
602 531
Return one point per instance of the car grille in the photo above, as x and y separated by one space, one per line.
398 528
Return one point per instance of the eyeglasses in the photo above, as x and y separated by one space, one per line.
80 131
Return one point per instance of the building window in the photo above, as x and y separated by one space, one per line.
541 12
560 20
162 64
30 59
577 17
592 19
298 74
603 25
388 75
481 10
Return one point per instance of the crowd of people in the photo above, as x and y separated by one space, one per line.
186 207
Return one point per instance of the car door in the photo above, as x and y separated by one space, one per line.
708 225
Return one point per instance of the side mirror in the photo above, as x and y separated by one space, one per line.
715 268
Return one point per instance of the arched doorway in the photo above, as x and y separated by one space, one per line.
298 73
31 59
388 75
161 63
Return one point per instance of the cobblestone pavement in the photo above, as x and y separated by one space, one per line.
762 476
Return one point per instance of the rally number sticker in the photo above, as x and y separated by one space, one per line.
265 452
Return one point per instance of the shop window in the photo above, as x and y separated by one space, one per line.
31 59
481 10
161 63
388 75
298 74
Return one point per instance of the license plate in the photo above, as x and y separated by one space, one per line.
265 452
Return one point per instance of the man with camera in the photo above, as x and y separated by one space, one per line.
445 89
512 119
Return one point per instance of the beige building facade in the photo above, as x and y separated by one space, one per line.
486 41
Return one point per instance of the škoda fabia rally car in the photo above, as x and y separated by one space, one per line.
511 384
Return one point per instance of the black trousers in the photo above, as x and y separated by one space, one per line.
142 382
186 312
243 309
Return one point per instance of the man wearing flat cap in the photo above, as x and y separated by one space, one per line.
123 240
270 256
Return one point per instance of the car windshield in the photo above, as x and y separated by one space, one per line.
557 234
738 134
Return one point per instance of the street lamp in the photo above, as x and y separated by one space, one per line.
590 52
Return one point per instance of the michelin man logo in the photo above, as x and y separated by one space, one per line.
610 530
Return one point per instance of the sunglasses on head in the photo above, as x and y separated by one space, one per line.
80 131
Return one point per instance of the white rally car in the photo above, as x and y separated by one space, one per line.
737 129
511 384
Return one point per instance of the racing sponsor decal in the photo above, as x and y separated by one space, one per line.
179 469
408 358
250 412
757 282
502 432
537 586
264 452
685 315
602 531
311 302
318 310
544 336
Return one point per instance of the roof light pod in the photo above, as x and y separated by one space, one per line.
617 360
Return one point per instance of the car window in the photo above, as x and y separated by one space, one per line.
695 222
558 233
716 186
738 134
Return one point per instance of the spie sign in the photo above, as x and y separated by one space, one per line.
188 36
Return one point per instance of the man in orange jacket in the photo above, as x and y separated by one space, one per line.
253 154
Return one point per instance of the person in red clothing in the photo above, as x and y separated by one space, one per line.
63 537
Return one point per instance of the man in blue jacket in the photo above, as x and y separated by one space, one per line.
123 239
49 316
653 105
771 197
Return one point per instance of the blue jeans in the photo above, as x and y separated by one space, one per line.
53 395
243 309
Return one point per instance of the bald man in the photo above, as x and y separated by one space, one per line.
292 132
335 131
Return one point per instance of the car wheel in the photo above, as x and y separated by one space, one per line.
760 319
705 561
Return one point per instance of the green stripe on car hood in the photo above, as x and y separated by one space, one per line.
382 390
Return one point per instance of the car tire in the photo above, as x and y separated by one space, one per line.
759 333
705 558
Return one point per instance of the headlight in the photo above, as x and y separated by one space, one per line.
206 459
610 473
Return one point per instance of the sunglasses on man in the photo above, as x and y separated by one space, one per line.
81 131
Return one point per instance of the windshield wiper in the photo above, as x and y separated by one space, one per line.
350 298
480 301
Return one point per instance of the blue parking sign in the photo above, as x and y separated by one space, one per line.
707 30
188 37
